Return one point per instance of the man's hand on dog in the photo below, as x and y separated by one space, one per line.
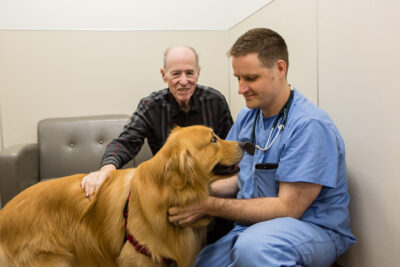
187 215
92 182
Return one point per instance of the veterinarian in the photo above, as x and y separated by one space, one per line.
291 205
183 103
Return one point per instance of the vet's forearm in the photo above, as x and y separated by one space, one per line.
292 201
246 211
225 188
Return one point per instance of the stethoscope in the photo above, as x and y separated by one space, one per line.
250 147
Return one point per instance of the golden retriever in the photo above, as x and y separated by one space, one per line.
53 224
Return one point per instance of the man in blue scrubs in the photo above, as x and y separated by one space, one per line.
291 205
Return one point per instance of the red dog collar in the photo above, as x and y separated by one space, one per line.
139 247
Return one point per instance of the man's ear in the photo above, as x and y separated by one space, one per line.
162 71
281 66
180 169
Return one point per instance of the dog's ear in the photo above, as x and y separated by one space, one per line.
180 169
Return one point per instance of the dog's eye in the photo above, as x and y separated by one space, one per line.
214 139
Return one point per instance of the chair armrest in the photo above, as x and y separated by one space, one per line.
19 169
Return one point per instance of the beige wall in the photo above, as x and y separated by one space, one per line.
352 73
71 73
359 68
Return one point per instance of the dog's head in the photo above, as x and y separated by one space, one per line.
195 155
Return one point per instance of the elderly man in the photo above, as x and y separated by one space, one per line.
183 103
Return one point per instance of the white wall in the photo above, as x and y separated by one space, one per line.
122 14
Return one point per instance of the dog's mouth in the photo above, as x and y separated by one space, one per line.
220 169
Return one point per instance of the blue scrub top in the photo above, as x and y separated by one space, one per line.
310 149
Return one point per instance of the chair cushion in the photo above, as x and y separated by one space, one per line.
75 144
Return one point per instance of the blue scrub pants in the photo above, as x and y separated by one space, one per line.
278 242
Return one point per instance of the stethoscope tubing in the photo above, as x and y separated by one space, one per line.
283 113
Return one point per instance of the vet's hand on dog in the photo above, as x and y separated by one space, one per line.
92 182
188 215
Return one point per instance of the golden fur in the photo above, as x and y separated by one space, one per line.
53 224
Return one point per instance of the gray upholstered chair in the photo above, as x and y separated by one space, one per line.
65 146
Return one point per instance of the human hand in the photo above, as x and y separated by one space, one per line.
92 182
188 215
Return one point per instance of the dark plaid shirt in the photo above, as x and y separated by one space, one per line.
158 113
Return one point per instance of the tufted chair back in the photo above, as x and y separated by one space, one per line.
65 146
75 145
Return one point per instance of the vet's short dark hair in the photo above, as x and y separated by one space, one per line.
269 46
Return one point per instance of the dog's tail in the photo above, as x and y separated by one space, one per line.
3 259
